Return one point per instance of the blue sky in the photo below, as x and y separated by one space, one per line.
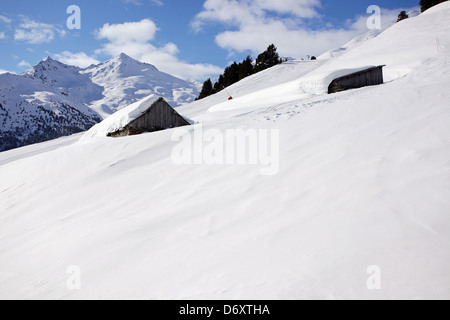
191 39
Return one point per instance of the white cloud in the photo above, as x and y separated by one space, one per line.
254 24
24 64
133 38
250 12
79 59
300 8
5 19
127 32
34 32
6 71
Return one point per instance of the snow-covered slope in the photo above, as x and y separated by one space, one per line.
53 99
364 181
403 48
276 80
356 42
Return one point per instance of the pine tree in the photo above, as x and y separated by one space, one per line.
273 56
267 59
219 85
235 73
402 16
231 74
246 68
207 89
227 76
427 4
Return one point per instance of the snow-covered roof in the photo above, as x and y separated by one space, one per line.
121 118
318 83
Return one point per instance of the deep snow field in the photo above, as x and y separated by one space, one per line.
363 180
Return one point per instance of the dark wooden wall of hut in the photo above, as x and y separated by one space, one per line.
160 116
369 77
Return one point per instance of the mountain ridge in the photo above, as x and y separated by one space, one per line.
53 99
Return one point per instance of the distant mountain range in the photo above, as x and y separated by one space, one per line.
53 99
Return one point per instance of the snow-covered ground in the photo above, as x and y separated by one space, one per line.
364 180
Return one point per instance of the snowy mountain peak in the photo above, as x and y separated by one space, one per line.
126 80
125 57
46 66
49 62
127 64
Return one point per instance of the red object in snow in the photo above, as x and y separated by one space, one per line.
230 98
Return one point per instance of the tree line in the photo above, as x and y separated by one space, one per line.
238 71
424 6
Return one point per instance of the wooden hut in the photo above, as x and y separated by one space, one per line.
368 77
159 116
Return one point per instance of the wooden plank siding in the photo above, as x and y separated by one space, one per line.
369 77
159 116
